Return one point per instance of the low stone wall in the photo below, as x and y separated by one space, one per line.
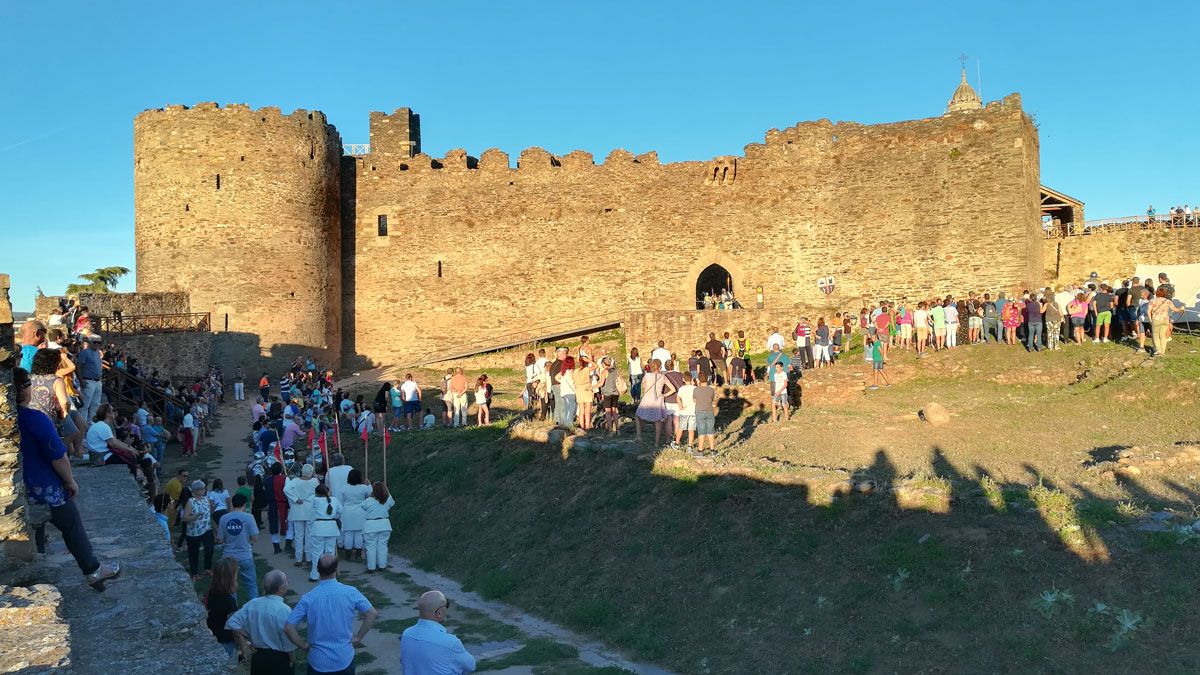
688 329
147 622
130 304
178 354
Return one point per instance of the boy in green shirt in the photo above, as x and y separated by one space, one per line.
877 364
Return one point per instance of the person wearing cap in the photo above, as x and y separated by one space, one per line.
300 493
46 472
197 517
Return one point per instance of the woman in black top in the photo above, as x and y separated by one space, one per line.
381 405
222 601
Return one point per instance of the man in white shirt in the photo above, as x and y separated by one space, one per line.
661 353
337 477
258 627
774 339
410 395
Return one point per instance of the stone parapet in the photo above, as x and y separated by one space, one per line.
149 619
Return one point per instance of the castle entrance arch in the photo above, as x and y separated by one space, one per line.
712 281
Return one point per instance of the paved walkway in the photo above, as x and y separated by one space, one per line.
502 638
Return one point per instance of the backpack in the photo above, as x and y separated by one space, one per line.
989 310
622 386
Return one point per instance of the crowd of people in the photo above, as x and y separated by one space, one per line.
675 392
316 508
1180 215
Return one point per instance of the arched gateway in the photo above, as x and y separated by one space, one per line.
713 280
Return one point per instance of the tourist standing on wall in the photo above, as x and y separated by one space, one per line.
329 610
427 647
49 483
258 628
377 526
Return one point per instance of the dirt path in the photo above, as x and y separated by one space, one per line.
502 638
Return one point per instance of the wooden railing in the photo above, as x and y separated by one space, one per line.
1123 224
530 335
127 392
152 323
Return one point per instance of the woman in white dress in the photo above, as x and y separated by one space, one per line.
323 533
353 496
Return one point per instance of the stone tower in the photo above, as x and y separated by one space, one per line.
964 99
239 207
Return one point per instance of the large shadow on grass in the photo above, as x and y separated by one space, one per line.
676 560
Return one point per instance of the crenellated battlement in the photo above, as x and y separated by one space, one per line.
461 244
266 114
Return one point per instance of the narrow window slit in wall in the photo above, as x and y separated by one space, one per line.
218 181
382 221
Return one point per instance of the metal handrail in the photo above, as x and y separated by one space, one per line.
116 381
530 334
1123 224
152 323
356 148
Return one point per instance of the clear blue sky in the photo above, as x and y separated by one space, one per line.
688 79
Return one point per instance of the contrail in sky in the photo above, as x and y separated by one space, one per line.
37 137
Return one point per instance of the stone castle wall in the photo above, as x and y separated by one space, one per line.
16 547
239 207
1115 254
945 204
131 304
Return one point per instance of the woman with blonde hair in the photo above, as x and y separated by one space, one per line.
653 406
584 396
221 601
1160 312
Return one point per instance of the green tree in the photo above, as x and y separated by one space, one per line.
103 280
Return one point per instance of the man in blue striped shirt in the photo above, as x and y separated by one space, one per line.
329 610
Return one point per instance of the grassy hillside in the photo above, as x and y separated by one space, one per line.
1005 547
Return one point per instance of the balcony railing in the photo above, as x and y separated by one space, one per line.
152 323
1123 224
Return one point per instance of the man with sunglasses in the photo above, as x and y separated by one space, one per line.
427 648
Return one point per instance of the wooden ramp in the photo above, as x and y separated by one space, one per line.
533 335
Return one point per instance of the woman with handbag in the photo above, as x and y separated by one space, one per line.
653 407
